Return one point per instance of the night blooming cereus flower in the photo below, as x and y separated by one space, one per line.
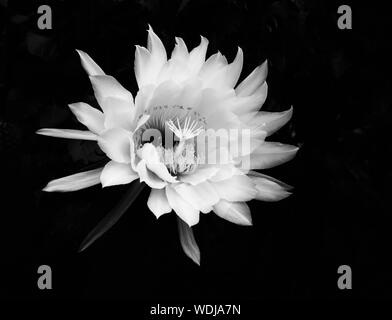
185 105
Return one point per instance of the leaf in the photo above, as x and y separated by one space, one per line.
188 242
114 215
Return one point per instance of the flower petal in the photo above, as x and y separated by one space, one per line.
89 65
268 155
197 56
150 178
236 212
157 202
68 134
269 122
183 209
115 173
249 85
269 190
202 196
234 69
115 143
237 188
91 117
150 154
115 101
188 242
75 182
200 175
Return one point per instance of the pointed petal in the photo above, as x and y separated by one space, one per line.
269 190
157 202
249 104
236 212
92 118
249 85
234 69
68 134
183 209
268 155
115 101
237 188
89 65
150 178
115 173
180 51
75 182
269 122
115 143
198 56
188 242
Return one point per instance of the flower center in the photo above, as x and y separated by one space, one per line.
179 154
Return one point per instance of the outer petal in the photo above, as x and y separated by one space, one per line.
115 101
68 134
268 155
183 209
115 173
251 83
236 212
115 143
197 56
75 182
92 118
269 190
157 202
237 188
89 65
188 242
234 69
150 178
202 196
269 122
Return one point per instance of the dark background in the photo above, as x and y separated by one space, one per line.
339 82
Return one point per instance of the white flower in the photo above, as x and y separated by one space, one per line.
190 97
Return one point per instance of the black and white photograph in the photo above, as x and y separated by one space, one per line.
195 158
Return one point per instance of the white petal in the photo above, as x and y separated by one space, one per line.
248 104
200 175
202 196
197 56
89 65
150 154
68 134
150 178
253 81
188 242
237 188
234 69
225 172
269 190
115 143
115 101
157 202
183 209
91 117
269 122
148 63
268 155
115 173
75 182
236 212
180 51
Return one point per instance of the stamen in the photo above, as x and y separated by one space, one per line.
189 130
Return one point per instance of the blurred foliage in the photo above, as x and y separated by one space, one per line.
337 80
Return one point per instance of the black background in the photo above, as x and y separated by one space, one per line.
339 83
